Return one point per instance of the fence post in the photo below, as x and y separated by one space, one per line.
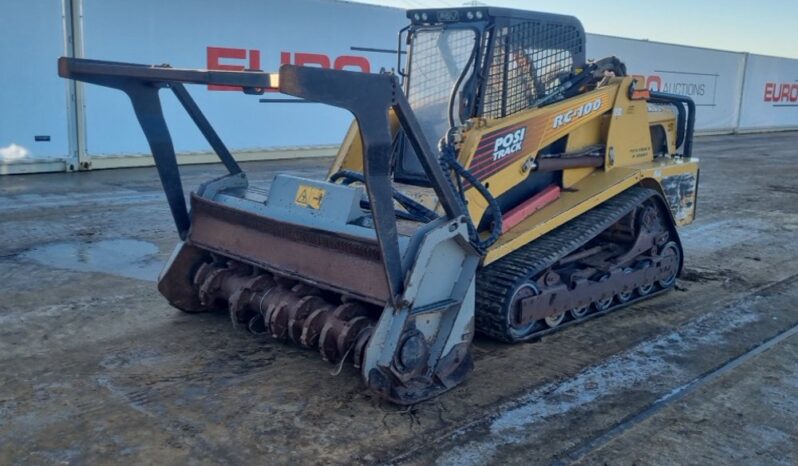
741 94
78 159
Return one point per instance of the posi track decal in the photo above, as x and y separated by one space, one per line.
498 149
508 144
503 147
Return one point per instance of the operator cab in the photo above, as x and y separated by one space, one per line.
485 62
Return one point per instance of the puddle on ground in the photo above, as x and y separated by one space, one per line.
122 257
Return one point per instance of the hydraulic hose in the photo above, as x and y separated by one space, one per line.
448 161
414 208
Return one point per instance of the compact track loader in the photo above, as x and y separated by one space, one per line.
507 186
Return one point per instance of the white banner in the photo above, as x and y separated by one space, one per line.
33 121
240 34
770 94
712 78
232 35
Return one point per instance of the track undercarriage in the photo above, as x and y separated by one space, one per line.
620 252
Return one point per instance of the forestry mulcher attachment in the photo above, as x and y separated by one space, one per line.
506 187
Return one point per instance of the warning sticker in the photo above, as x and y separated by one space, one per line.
309 196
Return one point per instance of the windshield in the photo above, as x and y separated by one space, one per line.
437 59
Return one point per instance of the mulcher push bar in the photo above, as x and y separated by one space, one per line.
141 83
94 71
343 89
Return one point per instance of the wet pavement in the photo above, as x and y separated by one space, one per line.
123 257
97 368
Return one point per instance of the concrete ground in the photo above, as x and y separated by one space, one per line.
96 368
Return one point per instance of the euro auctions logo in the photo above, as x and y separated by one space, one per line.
781 94
234 59
701 87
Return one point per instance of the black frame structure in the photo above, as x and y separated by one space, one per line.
367 96
491 24
685 125
496 30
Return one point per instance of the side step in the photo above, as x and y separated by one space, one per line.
540 200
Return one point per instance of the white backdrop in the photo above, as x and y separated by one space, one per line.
180 32
32 96
770 94
237 33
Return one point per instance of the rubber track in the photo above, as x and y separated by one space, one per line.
497 281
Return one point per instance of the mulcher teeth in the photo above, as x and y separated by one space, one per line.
287 310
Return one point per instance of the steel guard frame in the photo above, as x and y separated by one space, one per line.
369 97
